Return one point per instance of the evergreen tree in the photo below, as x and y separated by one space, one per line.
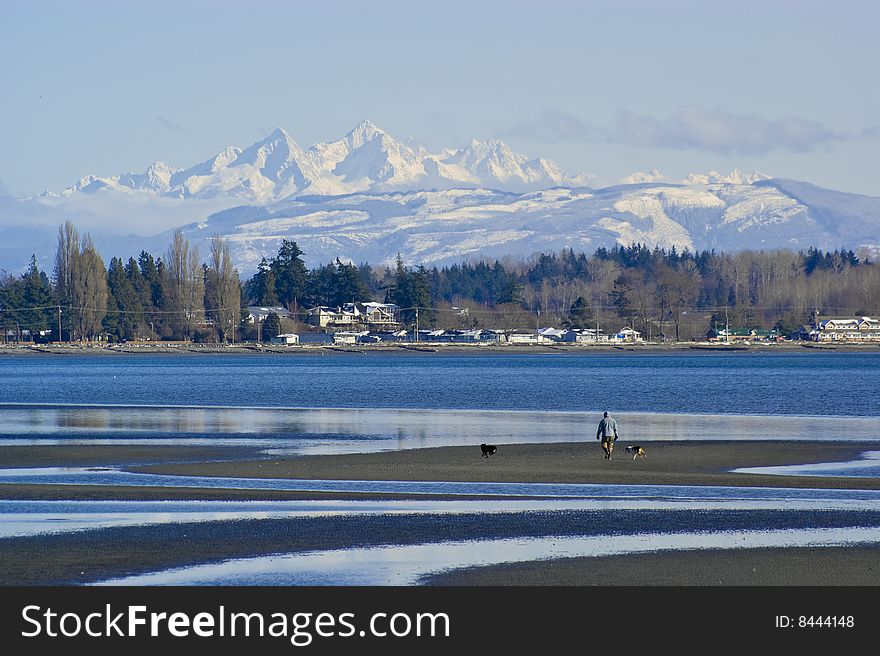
271 327
36 298
125 311
350 285
290 274
580 315
261 288
621 298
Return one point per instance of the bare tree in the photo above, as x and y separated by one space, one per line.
222 289
89 288
186 286
68 248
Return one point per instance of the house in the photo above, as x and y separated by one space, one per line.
847 329
324 317
731 334
768 335
347 337
584 336
475 335
804 332
389 335
315 338
286 338
374 314
526 338
261 312
350 315
627 335
552 334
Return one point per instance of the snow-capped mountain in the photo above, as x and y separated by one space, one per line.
441 227
365 159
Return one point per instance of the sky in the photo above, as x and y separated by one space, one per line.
786 87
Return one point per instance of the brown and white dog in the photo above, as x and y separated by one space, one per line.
636 450
488 450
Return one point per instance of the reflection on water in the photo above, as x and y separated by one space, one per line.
19 518
406 565
867 467
349 430
108 476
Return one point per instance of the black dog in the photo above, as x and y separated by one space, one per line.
488 450
637 450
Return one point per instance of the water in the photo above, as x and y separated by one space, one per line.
407 564
295 404
749 383
354 403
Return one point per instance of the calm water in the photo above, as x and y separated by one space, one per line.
352 403
829 384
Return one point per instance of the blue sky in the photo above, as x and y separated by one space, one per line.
786 87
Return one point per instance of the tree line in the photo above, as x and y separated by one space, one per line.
662 293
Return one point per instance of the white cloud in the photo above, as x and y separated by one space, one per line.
690 128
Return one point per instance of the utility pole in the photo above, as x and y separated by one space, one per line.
59 324
417 325
726 327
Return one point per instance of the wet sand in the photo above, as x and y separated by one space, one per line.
667 463
804 566
92 555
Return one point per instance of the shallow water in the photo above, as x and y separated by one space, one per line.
287 431
868 466
110 476
406 565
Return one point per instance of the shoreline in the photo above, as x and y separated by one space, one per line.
92 555
159 348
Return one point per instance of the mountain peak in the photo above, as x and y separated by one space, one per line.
643 176
363 132
365 159
278 133
736 177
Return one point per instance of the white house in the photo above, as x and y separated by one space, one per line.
370 314
627 335
286 338
848 329
585 336
347 337
261 312
526 338
552 334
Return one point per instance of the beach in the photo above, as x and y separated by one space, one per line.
90 556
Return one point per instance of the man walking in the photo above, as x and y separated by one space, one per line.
607 432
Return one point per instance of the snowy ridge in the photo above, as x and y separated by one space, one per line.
446 226
438 226
365 159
